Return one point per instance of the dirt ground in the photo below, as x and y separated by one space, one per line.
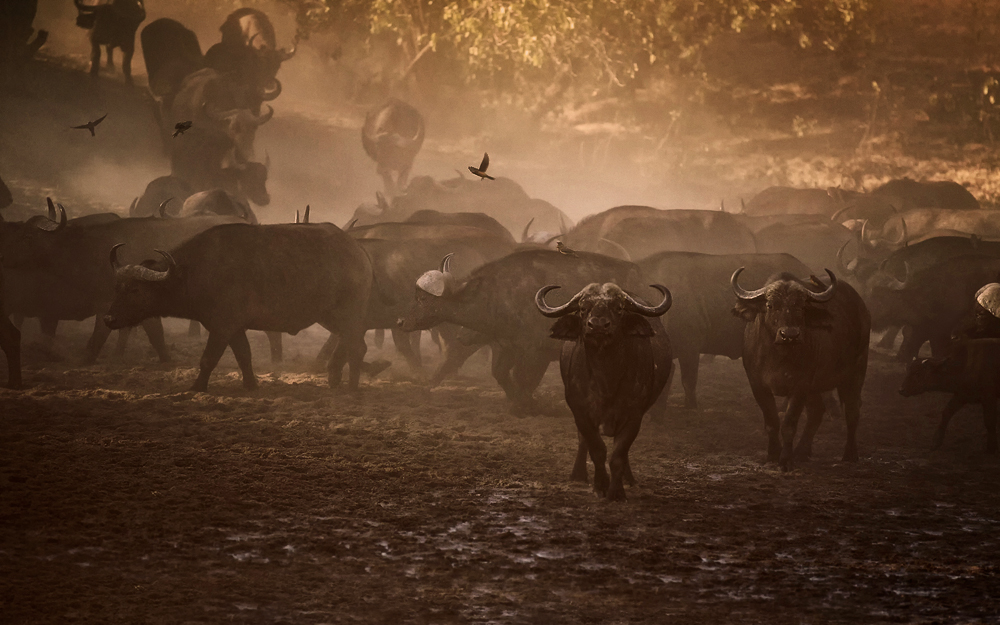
126 499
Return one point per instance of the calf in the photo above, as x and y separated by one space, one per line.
972 376
614 364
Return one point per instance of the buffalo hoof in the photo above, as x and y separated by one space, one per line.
577 476
691 404
802 455
17 386
601 484
251 384
785 464
616 493
199 387
850 456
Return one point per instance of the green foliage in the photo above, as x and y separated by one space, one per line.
514 44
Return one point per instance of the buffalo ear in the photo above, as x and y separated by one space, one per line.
747 310
568 328
636 325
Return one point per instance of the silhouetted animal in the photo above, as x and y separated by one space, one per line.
114 26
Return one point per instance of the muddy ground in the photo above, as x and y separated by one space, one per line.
126 499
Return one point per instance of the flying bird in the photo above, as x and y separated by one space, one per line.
90 125
564 250
180 128
481 170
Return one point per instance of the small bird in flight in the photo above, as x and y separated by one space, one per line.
564 250
481 170
90 125
181 127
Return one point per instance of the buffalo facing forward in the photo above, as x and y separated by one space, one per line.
800 342
614 364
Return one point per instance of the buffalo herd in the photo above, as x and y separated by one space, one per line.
794 283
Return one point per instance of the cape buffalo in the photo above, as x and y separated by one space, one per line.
217 202
910 194
929 304
701 321
644 230
392 135
497 303
815 244
614 364
239 277
788 200
919 224
475 220
74 261
802 339
248 51
503 199
114 26
972 376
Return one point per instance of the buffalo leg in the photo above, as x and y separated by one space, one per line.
788 426
455 357
579 473
503 362
379 338
153 327
326 352
95 58
403 345
990 421
111 56
18 320
913 340
97 340
214 348
122 343
852 414
527 374
10 342
194 329
127 53
274 341
689 379
954 405
350 350
765 400
814 416
590 435
241 349
888 339
620 469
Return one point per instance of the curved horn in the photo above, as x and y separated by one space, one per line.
652 311
171 263
351 224
263 118
131 209
524 233
83 8
621 250
446 263
562 224
381 201
828 293
897 284
840 258
271 93
722 205
743 205
163 208
52 209
62 219
297 216
549 240
559 311
267 160
834 216
904 235
217 116
114 256
740 292
286 53
305 216
865 235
